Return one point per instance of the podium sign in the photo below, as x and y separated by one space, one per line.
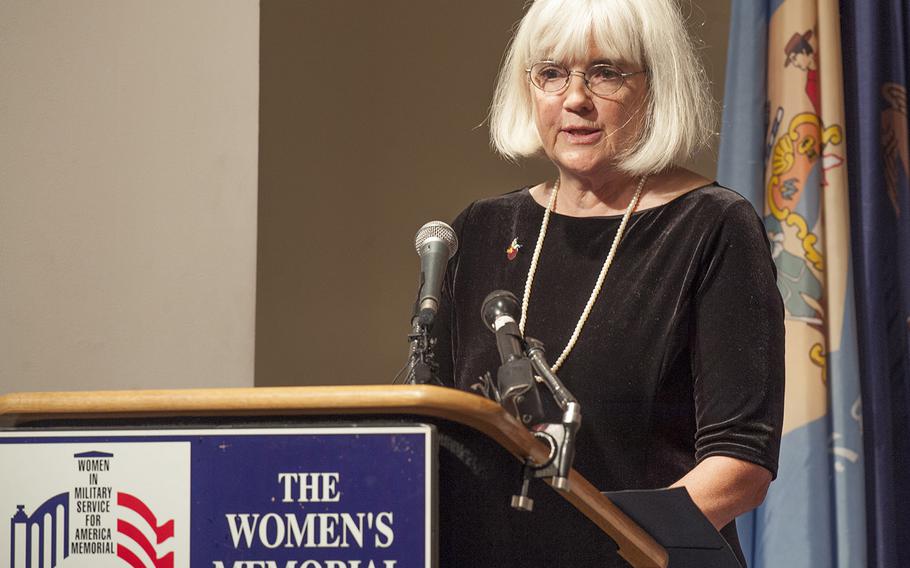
340 497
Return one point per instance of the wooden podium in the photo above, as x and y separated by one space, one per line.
481 450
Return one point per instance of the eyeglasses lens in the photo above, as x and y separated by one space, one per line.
552 78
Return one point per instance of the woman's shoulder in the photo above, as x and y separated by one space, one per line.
718 195
709 218
687 192
511 199
713 193
715 201
496 205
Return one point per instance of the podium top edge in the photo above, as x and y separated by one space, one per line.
304 400
421 400
450 404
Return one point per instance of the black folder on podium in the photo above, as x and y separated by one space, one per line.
674 521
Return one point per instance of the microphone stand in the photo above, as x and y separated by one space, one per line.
515 389
421 365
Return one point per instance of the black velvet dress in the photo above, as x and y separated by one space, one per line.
682 356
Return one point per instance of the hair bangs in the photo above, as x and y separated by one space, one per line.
615 33
568 32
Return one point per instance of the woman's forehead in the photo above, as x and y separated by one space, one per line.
585 59
586 46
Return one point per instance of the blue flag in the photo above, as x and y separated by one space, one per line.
876 46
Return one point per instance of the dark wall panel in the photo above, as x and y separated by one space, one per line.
370 125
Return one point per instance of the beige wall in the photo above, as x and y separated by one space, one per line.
128 171
351 164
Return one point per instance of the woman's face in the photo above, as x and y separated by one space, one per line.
582 133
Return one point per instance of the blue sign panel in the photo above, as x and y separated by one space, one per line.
354 497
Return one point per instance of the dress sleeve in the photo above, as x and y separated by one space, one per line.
738 344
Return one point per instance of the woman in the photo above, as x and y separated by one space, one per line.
651 287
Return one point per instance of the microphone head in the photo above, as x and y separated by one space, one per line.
499 303
436 231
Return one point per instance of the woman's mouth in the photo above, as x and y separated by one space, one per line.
582 135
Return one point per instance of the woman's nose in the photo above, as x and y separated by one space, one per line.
577 97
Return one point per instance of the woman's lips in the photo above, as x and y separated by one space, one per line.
582 135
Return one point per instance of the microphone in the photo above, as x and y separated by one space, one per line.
436 243
498 312
515 378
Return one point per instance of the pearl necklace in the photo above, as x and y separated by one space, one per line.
600 279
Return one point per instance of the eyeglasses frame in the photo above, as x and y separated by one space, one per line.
584 77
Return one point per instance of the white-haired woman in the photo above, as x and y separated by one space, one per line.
651 287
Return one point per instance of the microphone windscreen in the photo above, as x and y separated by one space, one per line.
499 303
433 231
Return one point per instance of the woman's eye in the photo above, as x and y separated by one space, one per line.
604 74
550 73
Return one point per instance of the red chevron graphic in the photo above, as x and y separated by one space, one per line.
127 556
127 529
162 533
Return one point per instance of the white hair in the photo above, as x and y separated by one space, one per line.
646 33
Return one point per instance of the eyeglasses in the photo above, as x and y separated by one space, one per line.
601 79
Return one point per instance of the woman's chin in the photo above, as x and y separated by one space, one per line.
583 165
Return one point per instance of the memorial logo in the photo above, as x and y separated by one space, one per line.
101 517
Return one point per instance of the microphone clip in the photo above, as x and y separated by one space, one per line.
422 368
514 389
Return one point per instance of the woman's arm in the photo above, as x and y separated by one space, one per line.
738 369
724 487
